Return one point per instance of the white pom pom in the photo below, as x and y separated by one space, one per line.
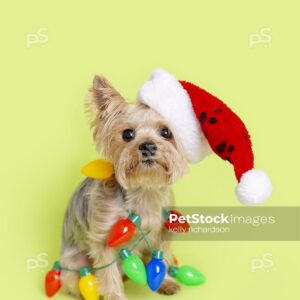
254 187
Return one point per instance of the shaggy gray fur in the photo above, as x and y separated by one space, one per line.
76 220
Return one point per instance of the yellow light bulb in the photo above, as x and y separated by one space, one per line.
98 169
88 285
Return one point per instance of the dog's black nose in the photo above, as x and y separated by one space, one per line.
148 149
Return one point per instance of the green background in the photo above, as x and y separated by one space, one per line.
45 137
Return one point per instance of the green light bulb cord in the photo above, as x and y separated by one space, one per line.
144 237
137 243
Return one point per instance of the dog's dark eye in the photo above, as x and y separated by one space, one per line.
166 133
128 135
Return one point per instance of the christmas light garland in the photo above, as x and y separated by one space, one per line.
134 268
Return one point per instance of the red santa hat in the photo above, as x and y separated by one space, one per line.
203 123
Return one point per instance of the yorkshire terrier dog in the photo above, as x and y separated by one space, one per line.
147 159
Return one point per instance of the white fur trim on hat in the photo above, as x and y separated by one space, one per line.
254 187
164 93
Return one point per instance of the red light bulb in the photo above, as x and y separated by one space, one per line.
52 280
175 226
123 230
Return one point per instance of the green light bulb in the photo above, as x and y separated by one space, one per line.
133 267
187 275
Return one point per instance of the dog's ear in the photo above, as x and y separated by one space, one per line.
105 102
104 94
104 105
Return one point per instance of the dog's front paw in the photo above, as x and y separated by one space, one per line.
169 287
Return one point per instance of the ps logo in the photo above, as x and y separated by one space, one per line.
265 262
263 37
39 38
38 262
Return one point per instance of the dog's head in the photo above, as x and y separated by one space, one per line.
142 147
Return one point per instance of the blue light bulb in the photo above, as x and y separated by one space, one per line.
156 270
